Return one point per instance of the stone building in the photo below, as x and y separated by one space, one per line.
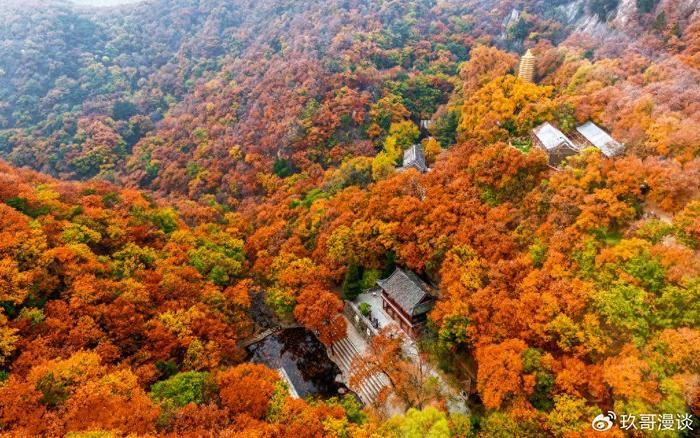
555 144
406 299
414 157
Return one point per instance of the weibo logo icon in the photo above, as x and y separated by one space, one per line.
603 422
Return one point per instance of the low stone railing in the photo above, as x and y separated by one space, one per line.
362 324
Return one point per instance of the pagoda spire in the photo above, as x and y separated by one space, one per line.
526 71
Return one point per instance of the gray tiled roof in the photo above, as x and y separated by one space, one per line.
600 139
406 289
551 137
414 157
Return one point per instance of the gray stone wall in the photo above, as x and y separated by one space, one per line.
362 324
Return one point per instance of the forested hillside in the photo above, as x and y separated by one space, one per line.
82 90
236 155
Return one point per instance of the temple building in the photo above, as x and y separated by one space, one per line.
556 145
406 299
590 134
414 157
526 70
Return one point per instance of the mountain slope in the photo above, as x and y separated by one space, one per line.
267 138
81 88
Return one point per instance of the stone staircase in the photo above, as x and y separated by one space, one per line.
344 352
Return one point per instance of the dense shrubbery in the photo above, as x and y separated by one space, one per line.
575 292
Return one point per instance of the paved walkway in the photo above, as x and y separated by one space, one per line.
377 310
455 401
345 351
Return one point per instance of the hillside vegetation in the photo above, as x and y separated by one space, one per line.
230 150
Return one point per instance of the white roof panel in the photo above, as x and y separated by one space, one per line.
600 139
551 137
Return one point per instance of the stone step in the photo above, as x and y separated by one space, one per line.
374 384
343 356
349 348
376 381
345 352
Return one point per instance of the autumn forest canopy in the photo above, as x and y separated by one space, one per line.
177 176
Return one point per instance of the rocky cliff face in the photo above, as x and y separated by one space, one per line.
628 14
626 17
